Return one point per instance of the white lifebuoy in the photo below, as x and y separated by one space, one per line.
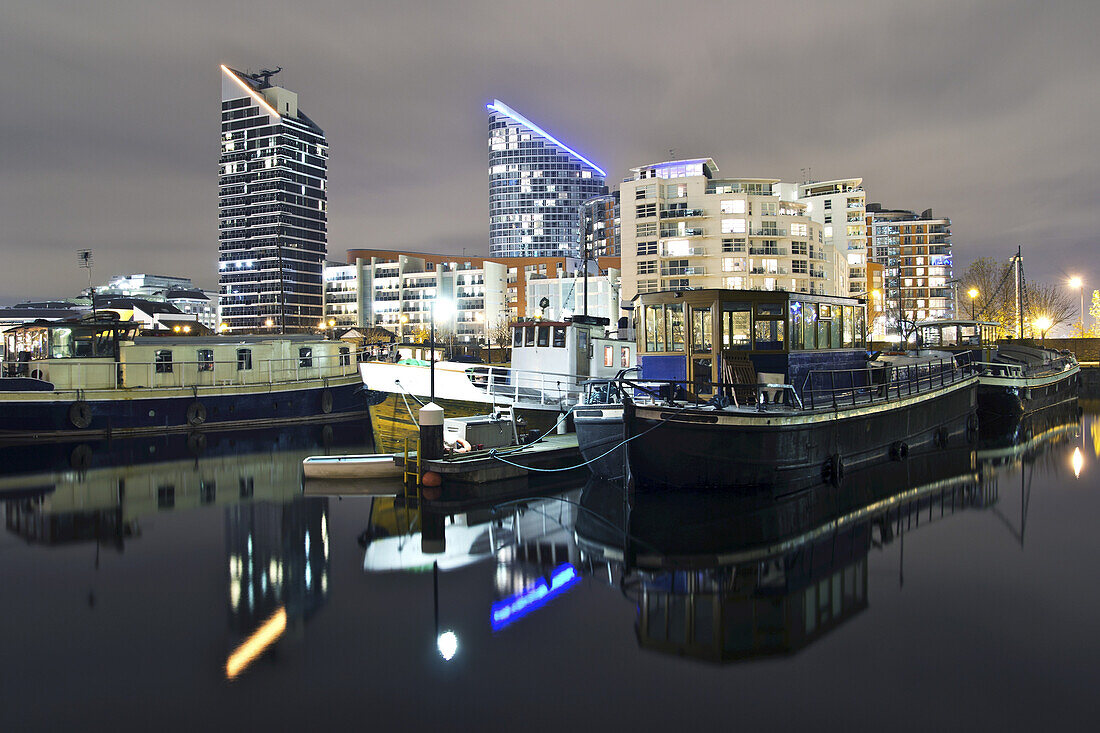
461 446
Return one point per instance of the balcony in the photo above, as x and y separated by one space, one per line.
767 232
682 213
689 252
668 233
771 251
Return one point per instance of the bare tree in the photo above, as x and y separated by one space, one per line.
993 302
1050 301
500 333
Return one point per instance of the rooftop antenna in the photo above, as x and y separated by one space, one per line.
263 76
84 260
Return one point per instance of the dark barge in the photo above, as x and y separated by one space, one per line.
765 391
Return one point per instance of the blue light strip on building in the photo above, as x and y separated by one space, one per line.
505 612
499 106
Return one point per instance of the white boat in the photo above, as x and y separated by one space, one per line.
550 362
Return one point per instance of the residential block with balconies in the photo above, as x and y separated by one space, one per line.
683 227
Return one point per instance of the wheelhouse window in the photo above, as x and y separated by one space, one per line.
769 327
609 356
517 337
345 356
244 360
701 340
559 337
544 336
664 328
796 325
737 326
809 323
849 326
824 325
305 357
162 358
206 360
529 336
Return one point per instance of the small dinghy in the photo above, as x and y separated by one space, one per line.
375 465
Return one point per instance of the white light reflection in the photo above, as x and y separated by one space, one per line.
448 645
1078 462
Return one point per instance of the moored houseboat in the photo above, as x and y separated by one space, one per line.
764 390
97 377
550 362
1015 377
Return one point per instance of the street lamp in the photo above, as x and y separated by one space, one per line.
1079 284
443 309
1043 324
973 293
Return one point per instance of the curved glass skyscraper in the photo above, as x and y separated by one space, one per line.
536 188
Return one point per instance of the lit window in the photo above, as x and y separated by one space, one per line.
163 360
609 356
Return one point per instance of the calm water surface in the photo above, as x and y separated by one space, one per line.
172 585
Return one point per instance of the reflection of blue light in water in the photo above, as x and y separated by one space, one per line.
506 611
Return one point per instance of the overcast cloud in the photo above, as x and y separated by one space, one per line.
983 110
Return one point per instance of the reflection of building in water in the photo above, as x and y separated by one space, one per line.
277 558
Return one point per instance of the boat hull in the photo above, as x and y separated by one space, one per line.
600 436
36 416
785 452
393 418
1003 401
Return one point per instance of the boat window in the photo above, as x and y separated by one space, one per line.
796 325
701 330
559 337
624 361
517 337
544 336
162 358
345 356
809 323
769 334
824 325
609 356
969 335
849 326
61 343
736 325
769 309
305 357
949 336
244 360
528 335
675 327
861 327
206 360
655 327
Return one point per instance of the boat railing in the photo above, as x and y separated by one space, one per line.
1000 369
837 388
526 386
95 374
674 392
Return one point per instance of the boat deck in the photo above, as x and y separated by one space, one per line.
554 451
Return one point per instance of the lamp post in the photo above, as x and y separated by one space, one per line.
1079 284
973 293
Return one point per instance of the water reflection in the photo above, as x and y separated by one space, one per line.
276 541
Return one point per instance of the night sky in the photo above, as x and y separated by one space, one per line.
984 110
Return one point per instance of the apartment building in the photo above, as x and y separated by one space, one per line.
684 227
840 207
916 256
393 289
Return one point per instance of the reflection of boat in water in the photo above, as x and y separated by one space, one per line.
124 480
724 578
1032 433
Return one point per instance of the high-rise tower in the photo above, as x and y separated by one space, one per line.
536 188
272 207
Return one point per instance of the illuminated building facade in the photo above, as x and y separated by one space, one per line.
683 227
840 207
272 207
601 223
916 256
536 188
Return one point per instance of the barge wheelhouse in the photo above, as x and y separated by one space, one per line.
739 389
97 377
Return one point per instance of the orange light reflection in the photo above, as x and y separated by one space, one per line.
255 645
